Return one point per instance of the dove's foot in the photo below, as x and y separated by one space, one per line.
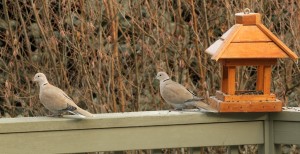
176 109
55 115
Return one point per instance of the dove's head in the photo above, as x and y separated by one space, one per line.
40 78
161 76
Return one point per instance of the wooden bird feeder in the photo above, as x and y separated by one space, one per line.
247 43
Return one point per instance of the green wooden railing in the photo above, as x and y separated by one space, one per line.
149 130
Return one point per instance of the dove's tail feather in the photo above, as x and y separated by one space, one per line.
205 106
83 112
195 98
201 105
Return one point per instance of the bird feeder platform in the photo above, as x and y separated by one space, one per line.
247 43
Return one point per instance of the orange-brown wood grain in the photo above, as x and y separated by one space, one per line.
245 97
288 51
224 84
248 19
247 43
248 62
230 98
260 78
219 49
250 34
267 79
246 106
253 50
275 106
231 80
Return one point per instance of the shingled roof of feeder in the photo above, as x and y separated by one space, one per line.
249 38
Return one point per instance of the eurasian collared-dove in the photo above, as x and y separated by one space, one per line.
177 95
56 100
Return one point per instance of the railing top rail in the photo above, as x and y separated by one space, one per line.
127 119
288 114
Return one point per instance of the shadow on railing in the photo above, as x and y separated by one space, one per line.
149 130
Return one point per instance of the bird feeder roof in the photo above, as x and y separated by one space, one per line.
249 39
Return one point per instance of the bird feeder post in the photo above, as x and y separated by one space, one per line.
228 80
267 80
224 84
247 43
260 78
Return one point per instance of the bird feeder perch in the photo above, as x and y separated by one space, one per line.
247 43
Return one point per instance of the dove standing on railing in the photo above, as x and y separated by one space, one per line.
177 95
56 100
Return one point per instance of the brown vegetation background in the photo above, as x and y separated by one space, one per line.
105 53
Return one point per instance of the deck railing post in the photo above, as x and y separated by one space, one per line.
269 146
234 149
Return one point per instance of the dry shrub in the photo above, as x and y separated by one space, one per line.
105 54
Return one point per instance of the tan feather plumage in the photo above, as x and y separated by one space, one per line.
177 95
56 100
